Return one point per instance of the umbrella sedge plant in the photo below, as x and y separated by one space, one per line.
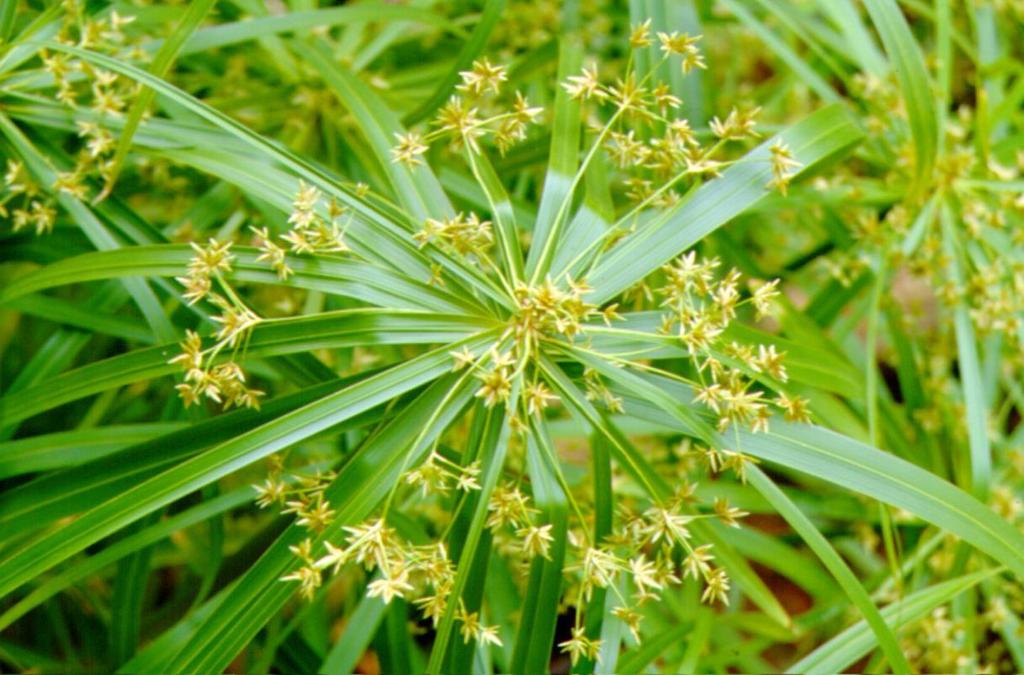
516 337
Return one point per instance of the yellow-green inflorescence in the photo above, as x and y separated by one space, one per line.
654 545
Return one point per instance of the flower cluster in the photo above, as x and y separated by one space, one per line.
375 546
317 225
543 312
495 377
34 210
514 525
99 94
472 115
783 166
108 93
644 139
205 373
547 310
657 543
439 474
598 391
304 495
224 383
301 494
698 308
397 568
942 643
459 234
207 263
641 556
311 231
942 243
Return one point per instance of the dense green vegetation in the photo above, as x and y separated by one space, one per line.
660 336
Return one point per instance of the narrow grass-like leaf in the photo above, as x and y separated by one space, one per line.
544 590
1012 629
604 513
74 315
8 14
471 49
638 660
577 248
354 640
495 448
97 232
148 659
62 449
366 215
564 151
130 578
835 564
840 652
504 214
394 646
889 479
292 22
15 51
908 63
59 494
60 349
826 44
220 461
417 188
859 467
862 46
125 546
818 137
110 480
461 653
160 66
362 483
634 463
340 276
345 328
980 464
809 76
781 556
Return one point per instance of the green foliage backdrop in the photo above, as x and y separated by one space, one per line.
659 336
